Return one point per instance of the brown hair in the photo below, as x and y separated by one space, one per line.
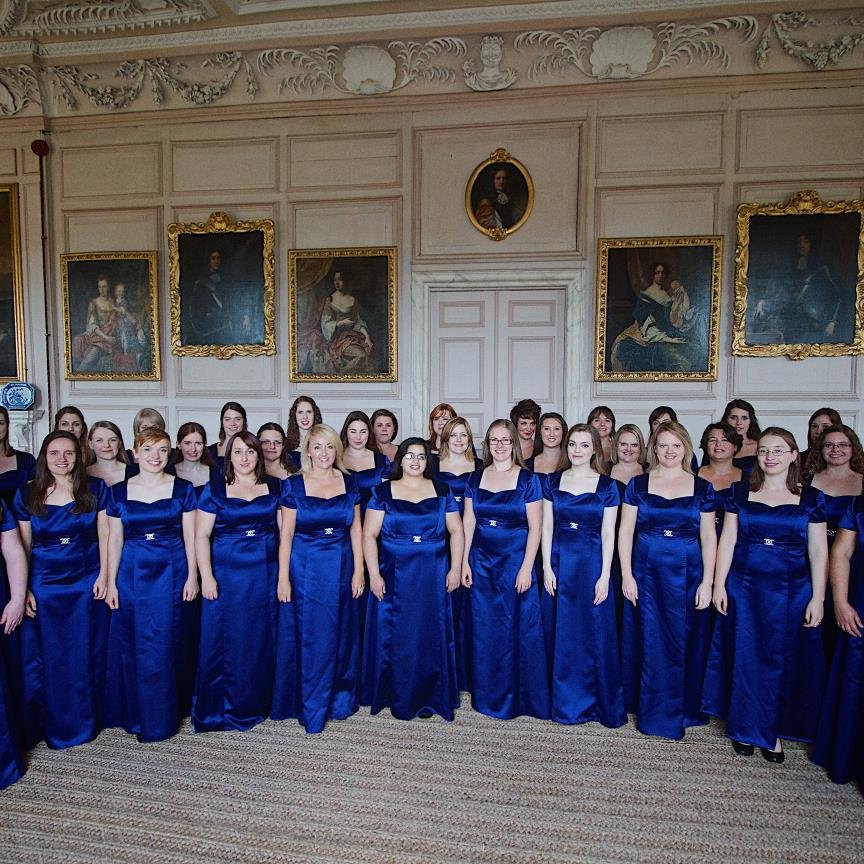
816 460
516 453
292 433
793 473
114 429
43 479
597 463
249 440
434 414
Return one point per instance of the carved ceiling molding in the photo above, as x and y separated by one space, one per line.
72 17
733 45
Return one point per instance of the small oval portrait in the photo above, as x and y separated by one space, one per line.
499 196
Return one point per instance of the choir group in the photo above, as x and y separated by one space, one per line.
573 574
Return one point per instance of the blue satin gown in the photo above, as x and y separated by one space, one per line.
318 642
234 683
409 659
153 638
12 481
839 743
583 638
369 478
11 762
64 648
510 676
665 639
460 599
766 671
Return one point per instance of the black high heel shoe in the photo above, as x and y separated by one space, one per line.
774 756
743 749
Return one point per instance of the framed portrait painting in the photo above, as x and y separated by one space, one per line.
342 314
499 196
799 278
110 316
223 297
11 288
658 309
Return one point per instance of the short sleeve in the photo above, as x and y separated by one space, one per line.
206 501
20 510
450 503
100 490
377 498
532 491
112 505
814 503
287 498
352 489
188 501
609 492
472 484
7 520
707 499
547 486
630 495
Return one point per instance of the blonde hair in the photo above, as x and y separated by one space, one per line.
633 429
676 429
329 434
447 431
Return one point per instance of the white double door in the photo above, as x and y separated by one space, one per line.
490 348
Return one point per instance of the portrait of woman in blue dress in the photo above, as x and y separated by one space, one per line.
666 543
409 659
63 525
767 669
502 522
319 588
152 586
236 546
579 514
839 745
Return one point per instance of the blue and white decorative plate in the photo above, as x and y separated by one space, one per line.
17 395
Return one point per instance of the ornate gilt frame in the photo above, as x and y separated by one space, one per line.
14 244
712 314
390 328
221 223
499 156
807 203
103 261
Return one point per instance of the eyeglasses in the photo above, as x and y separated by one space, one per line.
415 457
496 441
777 451
836 445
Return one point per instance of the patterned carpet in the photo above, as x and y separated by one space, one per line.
373 789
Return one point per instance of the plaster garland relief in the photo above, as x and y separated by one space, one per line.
592 53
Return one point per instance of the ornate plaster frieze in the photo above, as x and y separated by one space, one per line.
71 17
363 70
489 75
782 26
19 87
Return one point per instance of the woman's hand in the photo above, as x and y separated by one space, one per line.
190 589
523 580
112 597
601 590
848 620
30 605
630 589
813 613
703 595
100 587
720 599
283 590
550 581
358 584
12 615
209 588
377 586
467 576
453 580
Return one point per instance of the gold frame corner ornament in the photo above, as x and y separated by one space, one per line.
498 156
221 223
152 307
391 253
805 203
604 246
17 282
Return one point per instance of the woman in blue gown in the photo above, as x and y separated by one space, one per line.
579 514
16 467
767 669
360 456
191 459
454 466
303 414
61 516
409 657
320 583
667 542
13 576
741 416
503 514
839 743
232 419
836 468
720 443
152 586
236 546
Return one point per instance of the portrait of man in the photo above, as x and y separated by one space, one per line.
499 197
10 294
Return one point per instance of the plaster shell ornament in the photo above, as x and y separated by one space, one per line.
622 52
368 70
490 76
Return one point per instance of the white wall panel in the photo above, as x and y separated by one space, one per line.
8 161
657 212
346 223
345 161
129 230
118 170
229 166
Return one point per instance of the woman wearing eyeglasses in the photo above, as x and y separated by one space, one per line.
836 468
766 669
503 515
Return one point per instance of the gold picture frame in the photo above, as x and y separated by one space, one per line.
110 316
799 278
221 276
12 358
499 195
342 314
658 308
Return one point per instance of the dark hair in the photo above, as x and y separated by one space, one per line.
383 412
231 406
753 430
721 426
361 417
114 429
652 269
7 449
526 409
292 433
439 409
658 412
518 459
816 460
596 463
70 409
284 460
188 429
602 410
250 441
43 480
793 473
416 441
550 415
830 413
